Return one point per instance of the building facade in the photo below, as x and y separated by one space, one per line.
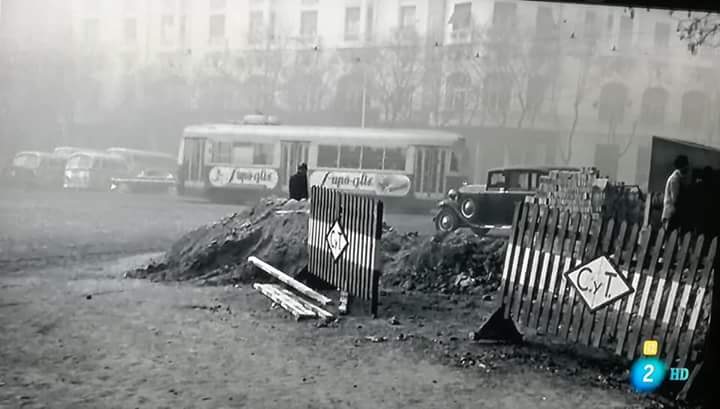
601 80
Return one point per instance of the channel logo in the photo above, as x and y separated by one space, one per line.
648 373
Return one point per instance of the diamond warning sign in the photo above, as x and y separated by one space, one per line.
336 240
599 283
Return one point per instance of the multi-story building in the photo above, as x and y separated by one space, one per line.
585 75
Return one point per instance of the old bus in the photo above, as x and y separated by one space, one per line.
140 162
237 161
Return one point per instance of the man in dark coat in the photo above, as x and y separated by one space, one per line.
299 184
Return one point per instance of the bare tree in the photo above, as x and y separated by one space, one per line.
700 30
399 74
305 88
584 56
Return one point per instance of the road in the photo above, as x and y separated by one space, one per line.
75 334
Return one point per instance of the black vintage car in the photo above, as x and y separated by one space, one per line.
488 207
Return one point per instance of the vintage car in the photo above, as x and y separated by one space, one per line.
489 207
33 169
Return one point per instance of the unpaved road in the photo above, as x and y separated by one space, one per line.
77 335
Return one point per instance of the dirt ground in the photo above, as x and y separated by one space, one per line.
75 334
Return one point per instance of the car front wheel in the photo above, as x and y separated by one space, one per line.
446 221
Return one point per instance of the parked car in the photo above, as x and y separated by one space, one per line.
93 170
491 206
33 169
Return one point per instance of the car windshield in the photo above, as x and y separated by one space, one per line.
79 162
27 161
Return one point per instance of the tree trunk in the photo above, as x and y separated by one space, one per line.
571 134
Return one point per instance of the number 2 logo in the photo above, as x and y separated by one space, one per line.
649 370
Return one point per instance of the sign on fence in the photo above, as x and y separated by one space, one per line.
608 285
343 241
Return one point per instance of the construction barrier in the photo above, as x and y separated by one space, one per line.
343 242
608 285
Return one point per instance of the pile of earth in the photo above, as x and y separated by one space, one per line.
275 231
453 263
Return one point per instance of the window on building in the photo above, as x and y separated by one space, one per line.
372 158
167 27
612 103
407 17
369 24
327 156
544 22
626 30
308 23
461 18
654 105
217 26
662 34
352 23
458 85
216 5
350 157
183 29
497 92
694 110
130 30
394 158
504 14
592 28
255 23
91 27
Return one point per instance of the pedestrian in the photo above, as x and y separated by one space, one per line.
298 186
673 216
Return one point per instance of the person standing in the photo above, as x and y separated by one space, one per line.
673 213
298 186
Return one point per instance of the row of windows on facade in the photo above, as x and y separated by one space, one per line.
612 104
330 156
504 14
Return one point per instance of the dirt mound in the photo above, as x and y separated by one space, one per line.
458 262
275 231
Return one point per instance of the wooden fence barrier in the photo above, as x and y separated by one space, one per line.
343 241
559 279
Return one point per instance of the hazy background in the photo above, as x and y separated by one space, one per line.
525 82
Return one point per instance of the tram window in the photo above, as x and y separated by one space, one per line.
372 158
221 152
350 157
263 154
242 153
454 162
327 156
394 159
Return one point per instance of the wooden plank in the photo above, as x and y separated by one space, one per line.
290 299
672 342
649 324
528 246
300 287
569 247
517 256
282 301
579 253
531 286
634 277
547 256
601 315
674 281
701 288
307 304
510 253
636 328
549 297
624 268
589 321
582 312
